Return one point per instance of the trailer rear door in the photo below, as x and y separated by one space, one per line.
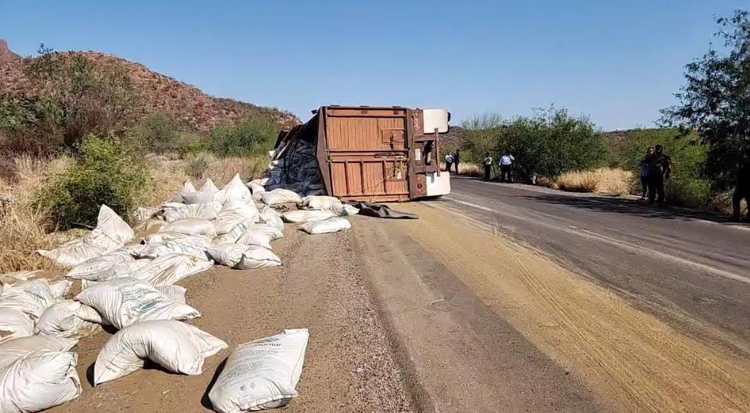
368 152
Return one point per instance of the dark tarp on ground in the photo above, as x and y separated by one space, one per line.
381 211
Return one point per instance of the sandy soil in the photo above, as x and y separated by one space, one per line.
349 364
630 359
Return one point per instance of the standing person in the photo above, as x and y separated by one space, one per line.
487 166
506 164
660 169
456 160
448 161
742 190
645 166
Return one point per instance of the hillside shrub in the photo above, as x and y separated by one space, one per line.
249 136
158 133
106 172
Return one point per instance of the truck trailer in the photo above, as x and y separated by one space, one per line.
364 153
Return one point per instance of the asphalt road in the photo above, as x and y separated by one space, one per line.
689 269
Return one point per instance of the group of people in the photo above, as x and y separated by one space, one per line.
655 168
506 166
452 160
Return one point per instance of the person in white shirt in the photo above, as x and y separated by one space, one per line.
448 162
506 164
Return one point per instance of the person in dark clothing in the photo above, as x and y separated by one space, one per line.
644 169
456 160
448 162
742 190
487 162
660 169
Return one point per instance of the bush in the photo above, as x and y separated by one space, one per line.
106 173
547 144
197 166
250 136
157 133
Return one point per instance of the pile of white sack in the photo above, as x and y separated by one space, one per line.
129 284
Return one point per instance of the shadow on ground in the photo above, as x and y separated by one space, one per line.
628 206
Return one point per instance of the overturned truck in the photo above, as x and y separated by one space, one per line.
361 153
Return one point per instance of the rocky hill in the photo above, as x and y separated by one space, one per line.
157 92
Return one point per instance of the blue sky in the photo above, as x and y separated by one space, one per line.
617 62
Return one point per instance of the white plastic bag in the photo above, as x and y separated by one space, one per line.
191 226
208 193
168 269
174 292
234 213
269 216
68 319
30 297
111 233
326 226
321 202
257 191
235 190
301 216
260 234
175 211
280 196
14 324
12 350
261 374
126 301
38 381
175 346
244 257
194 245
103 267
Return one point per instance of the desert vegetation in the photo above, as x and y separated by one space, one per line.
85 138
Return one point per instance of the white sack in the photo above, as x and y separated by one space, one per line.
168 269
68 319
174 292
301 216
10 278
326 226
321 202
208 193
257 191
234 213
176 211
14 324
235 190
143 214
191 226
260 234
234 234
194 245
280 196
261 374
126 301
12 350
345 210
269 216
175 346
244 257
187 188
111 233
259 181
103 267
29 297
38 381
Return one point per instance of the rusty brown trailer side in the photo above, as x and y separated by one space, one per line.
367 153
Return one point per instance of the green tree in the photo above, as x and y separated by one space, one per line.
715 100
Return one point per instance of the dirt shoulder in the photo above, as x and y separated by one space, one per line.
349 365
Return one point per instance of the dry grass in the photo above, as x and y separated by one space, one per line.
470 169
603 180
22 229
21 225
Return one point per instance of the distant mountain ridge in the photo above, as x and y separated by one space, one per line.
158 92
